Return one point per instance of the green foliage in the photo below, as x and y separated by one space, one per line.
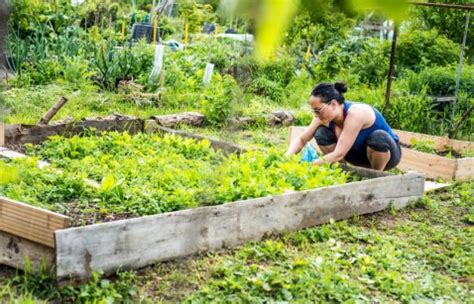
318 25
423 146
76 70
417 49
165 174
265 87
441 81
35 284
44 188
448 22
113 65
219 100
367 60
380 258
196 14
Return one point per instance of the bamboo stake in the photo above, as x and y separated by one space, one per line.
155 25
186 33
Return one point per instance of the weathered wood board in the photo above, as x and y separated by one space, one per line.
10 154
135 243
15 250
21 134
434 186
439 141
29 222
464 168
432 165
435 166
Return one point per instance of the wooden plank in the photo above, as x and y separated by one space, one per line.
14 250
406 137
433 166
10 154
460 145
174 120
364 172
151 126
29 222
294 132
433 186
440 142
135 243
464 169
21 134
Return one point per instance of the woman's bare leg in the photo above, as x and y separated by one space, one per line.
327 149
378 160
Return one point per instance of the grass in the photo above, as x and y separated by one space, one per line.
27 105
423 253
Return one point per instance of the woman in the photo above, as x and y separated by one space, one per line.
347 131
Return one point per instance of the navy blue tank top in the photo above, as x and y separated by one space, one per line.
379 124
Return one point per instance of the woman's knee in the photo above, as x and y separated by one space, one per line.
325 137
379 141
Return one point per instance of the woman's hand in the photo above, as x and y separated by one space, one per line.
318 162
297 144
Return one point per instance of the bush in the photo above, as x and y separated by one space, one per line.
441 81
218 100
39 72
367 59
265 87
417 49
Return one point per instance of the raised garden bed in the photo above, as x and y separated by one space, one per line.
434 165
136 242
431 164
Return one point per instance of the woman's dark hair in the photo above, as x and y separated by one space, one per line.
329 91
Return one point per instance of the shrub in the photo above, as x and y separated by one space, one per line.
417 49
218 100
441 81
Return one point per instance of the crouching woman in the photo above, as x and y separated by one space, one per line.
348 131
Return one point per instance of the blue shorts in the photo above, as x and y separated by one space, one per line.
379 140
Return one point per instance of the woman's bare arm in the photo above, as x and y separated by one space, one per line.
297 144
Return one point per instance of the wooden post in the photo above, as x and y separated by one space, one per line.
47 117
2 133
458 74
391 67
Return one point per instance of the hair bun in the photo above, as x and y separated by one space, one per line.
341 87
